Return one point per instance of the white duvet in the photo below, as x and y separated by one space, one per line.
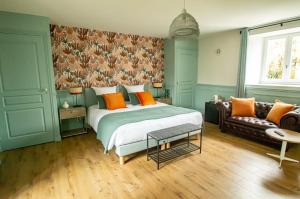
137 131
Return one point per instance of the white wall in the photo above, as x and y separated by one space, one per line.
219 69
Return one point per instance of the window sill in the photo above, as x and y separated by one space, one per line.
274 86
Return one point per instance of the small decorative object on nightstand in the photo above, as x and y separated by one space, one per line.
71 113
65 104
165 100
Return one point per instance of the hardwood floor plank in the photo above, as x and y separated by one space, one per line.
77 168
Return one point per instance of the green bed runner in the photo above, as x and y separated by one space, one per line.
109 123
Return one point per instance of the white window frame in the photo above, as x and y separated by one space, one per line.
286 62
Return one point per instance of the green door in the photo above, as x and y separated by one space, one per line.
25 108
186 74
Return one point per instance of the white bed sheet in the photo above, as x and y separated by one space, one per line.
137 131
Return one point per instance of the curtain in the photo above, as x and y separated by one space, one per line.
240 88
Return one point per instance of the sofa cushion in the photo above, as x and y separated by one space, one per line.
278 110
252 122
243 107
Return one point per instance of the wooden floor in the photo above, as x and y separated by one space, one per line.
229 167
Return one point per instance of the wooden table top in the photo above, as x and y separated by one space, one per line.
289 136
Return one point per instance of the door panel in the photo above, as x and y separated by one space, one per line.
26 106
22 59
19 100
186 71
30 121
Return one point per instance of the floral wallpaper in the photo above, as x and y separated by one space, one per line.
84 57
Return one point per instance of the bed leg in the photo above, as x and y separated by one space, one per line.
168 145
122 160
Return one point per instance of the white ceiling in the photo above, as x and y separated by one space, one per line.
153 17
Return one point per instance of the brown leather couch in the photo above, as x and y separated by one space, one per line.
254 127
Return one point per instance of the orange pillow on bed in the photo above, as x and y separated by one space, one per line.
278 110
145 98
244 107
114 101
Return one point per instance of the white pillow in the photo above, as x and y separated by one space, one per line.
104 90
134 88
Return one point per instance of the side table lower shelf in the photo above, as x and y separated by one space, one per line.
73 132
173 152
166 135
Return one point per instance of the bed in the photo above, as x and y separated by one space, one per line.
125 130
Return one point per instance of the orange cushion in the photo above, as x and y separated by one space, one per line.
278 110
145 98
114 101
244 107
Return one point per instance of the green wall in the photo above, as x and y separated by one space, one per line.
205 92
270 93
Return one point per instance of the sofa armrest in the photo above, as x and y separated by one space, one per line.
291 120
224 109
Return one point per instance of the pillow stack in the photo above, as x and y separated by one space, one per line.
132 90
145 98
137 95
114 101
108 98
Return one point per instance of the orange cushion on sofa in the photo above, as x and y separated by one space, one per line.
278 110
244 107
114 101
145 98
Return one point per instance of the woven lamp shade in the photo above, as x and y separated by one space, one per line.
184 26
74 91
157 85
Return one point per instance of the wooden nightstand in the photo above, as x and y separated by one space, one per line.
164 100
71 113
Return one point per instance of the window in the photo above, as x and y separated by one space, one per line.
281 59
295 59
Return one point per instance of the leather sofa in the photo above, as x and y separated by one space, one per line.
254 127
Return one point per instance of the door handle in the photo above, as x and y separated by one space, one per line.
45 90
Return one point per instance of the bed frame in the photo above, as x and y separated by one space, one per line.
125 151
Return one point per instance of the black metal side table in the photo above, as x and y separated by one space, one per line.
162 136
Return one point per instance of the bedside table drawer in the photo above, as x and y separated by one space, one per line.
72 113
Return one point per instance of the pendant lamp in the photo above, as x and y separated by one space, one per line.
184 26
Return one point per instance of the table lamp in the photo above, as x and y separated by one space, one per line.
76 91
157 85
